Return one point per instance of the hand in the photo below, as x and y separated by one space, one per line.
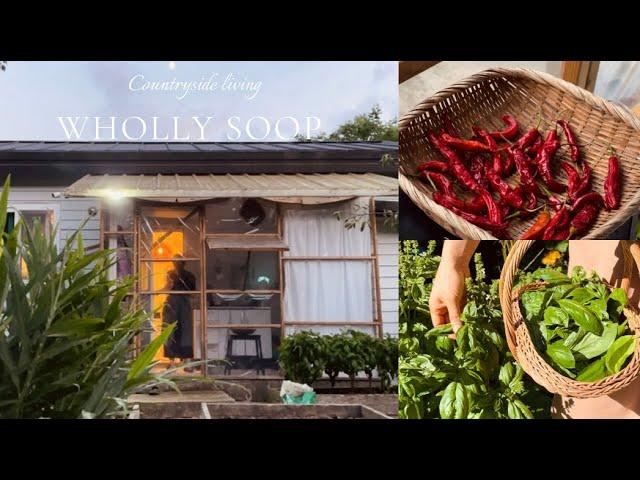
448 294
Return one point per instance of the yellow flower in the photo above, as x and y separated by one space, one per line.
551 258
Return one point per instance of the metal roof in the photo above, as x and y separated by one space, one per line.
238 185
209 150
61 163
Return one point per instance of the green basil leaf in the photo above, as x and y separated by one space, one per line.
561 355
455 401
507 372
592 345
582 316
617 355
618 299
573 338
440 330
513 412
444 345
599 308
556 316
581 295
551 275
622 328
534 303
561 291
593 372
523 408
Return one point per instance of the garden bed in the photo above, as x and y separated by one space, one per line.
253 410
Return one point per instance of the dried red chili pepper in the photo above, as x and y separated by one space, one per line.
571 140
527 139
491 143
512 197
613 185
585 212
543 162
436 165
481 222
562 234
509 132
536 230
527 179
585 181
478 171
458 169
464 144
507 166
591 197
474 205
534 149
573 181
532 201
558 223
493 209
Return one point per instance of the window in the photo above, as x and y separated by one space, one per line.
42 215
329 268
242 270
242 216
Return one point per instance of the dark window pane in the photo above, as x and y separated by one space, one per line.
230 270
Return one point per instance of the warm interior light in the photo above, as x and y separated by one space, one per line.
172 65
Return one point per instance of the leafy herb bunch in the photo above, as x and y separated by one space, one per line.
577 323
473 376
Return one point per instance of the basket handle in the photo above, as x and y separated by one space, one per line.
507 277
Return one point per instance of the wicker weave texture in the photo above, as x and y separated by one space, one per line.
523 349
530 97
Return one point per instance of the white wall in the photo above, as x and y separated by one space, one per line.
388 267
71 211
387 247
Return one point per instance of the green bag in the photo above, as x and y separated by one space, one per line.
307 398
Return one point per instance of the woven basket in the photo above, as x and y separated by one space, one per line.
527 95
524 351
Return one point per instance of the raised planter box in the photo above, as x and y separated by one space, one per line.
282 411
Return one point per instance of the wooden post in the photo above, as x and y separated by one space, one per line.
374 266
204 314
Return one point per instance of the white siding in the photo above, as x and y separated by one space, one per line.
71 211
388 271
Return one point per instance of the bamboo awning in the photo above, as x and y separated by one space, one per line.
233 185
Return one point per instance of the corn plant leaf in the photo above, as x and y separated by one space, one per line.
146 356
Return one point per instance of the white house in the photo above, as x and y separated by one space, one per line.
259 228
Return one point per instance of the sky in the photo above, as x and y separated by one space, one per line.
41 100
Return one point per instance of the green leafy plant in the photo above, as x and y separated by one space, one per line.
305 355
577 323
367 347
302 357
66 331
387 360
473 376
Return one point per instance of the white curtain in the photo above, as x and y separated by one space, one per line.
328 290
313 231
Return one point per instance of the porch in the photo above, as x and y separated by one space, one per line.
263 255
